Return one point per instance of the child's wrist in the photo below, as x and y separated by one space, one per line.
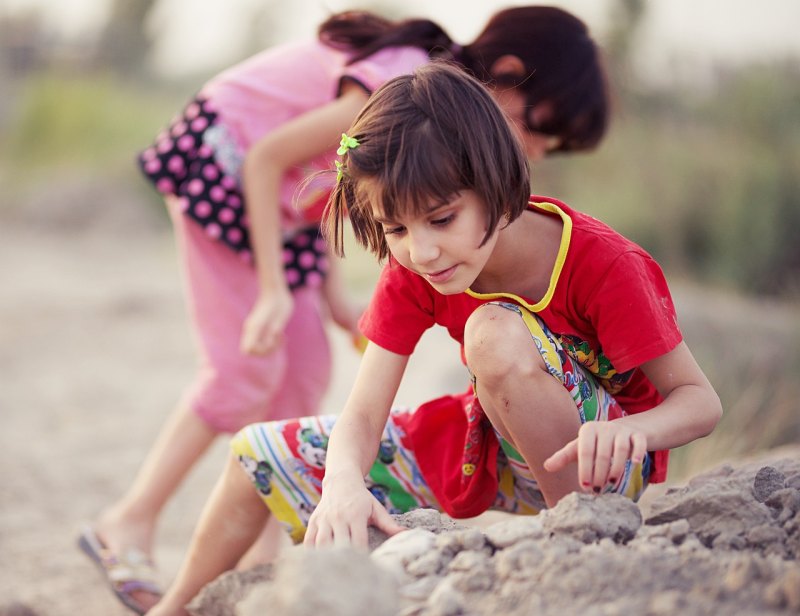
342 476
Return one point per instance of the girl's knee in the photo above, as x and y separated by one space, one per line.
498 346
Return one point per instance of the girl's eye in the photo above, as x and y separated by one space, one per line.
393 230
441 222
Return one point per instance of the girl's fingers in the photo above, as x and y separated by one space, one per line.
341 534
622 448
602 462
639 448
384 521
311 535
561 458
601 457
359 536
587 447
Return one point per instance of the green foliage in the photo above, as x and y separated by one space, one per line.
710 185
81 119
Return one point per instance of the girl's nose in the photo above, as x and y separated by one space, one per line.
422 249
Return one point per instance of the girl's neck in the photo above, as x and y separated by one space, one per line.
523 258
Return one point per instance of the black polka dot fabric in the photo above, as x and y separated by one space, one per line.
181 163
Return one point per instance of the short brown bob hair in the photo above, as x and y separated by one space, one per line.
423 138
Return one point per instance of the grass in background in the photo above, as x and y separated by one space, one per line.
78 129
750 351
83 120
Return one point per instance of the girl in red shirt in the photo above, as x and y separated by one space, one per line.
580 373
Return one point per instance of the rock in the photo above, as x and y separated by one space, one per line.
508 532
16 609
785 503
590 518
710 547
740 573
715 511
445 600
464 539
404 547
675 532
333 581
221 596
426 519
767 481
517 559
431 562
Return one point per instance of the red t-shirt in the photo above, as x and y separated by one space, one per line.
608 303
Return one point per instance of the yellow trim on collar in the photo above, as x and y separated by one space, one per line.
566 234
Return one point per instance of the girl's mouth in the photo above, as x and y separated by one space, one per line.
441 276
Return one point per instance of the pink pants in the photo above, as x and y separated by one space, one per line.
232 390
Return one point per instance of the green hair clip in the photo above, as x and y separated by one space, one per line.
347 143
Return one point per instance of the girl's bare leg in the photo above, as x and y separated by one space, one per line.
231 521
131 521
530 408
267 546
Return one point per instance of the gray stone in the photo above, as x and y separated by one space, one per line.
508 532
589 518
331 581
767 481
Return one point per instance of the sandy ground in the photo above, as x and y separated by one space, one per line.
94 351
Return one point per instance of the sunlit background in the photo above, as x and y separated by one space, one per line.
701 166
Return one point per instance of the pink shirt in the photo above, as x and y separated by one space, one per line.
286 81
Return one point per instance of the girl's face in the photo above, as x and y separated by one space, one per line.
522 118
443 243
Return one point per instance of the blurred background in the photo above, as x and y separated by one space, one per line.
701 167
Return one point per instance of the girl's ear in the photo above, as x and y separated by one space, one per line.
508 65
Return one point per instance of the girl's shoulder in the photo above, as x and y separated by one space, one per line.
587 232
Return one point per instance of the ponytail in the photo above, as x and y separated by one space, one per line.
365 33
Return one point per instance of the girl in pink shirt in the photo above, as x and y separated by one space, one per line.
239 171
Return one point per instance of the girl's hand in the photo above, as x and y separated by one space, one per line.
262 331
601 450
343 514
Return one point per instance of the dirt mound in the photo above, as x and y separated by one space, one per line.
727 542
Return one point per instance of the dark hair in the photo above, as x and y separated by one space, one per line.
366 33
562 67
423 138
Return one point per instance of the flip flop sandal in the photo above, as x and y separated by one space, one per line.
126 573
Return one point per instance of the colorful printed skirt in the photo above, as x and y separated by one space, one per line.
443 455
197 160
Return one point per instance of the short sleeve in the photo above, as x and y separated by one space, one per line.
375 70
400 311
633 313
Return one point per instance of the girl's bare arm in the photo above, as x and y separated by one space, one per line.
290 144
347 507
